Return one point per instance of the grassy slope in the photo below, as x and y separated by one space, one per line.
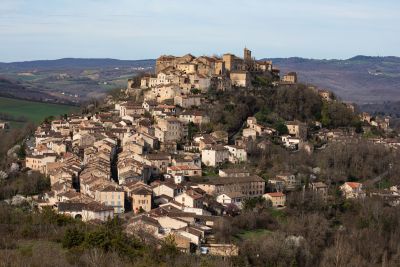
33 111
34 253
253 234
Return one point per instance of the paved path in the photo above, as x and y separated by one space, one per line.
377 178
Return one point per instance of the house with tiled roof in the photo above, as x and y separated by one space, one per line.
97 211
297 129
39 162
169 129
320 189
240 78
190 198
289 78
131 109
73 209
187 101
185 170
86 211
140 196
144 223
278 199
290 180
194 116
68 195
249 186
237 154
233 172
111 195
214 155
229 198
326 95
352 190
166 188
203 141
149 105
131 169
158 161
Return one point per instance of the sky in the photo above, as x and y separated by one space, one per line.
142 29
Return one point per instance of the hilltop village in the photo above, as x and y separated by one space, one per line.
152 158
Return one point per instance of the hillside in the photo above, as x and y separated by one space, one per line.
360 79
74 63
12 88
19 112
67 80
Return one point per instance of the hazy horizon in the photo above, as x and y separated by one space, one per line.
134 30
154 58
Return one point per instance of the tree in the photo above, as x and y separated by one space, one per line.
168 246
358 126
281 128
117 94
192 130
260 81
255 203
335 114
195 91
325 118
263 116
73 237
48 119
21 153
232 210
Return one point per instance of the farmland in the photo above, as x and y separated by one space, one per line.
22 110
67 80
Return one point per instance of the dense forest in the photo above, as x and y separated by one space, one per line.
274 105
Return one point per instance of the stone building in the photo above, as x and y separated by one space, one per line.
248 186
290 78
202 72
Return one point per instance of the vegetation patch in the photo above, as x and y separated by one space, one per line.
253 234
32 111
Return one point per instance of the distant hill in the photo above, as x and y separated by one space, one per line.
360 79
67 80
13 89
75 63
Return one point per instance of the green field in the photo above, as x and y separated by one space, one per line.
34 111
253 234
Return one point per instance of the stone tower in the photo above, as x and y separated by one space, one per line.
228 60
247 54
